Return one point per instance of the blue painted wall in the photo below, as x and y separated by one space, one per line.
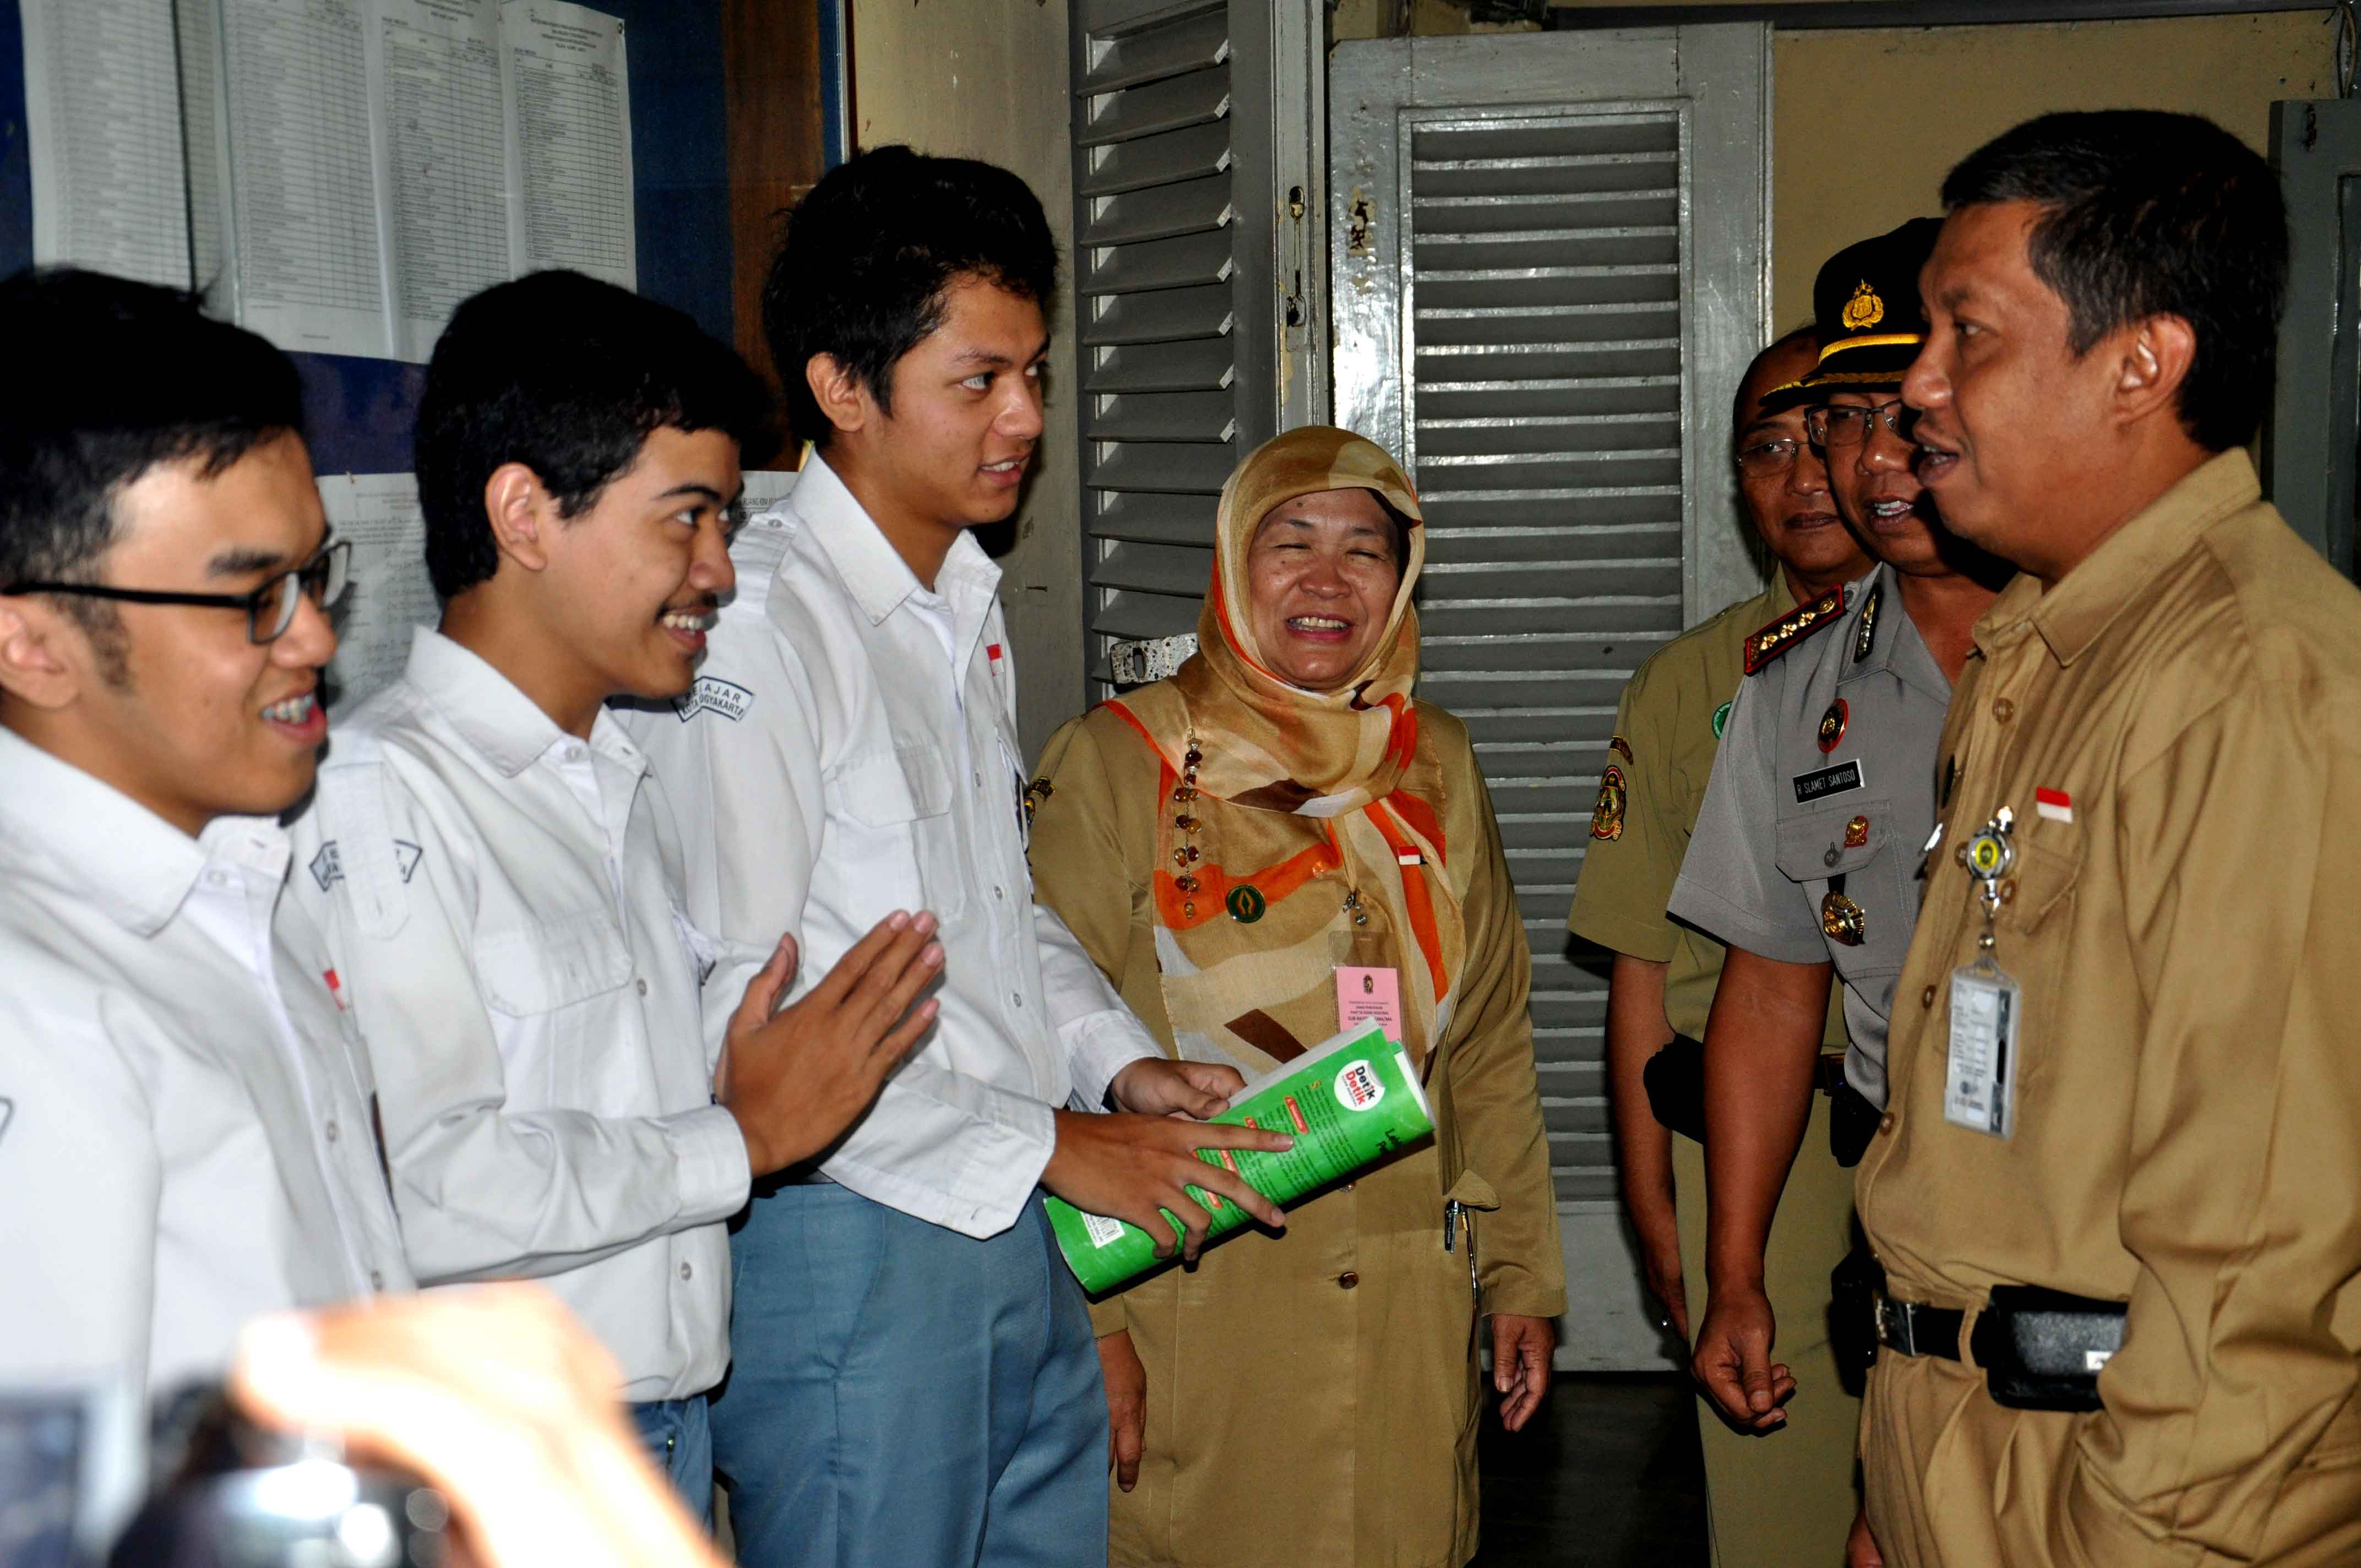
361 412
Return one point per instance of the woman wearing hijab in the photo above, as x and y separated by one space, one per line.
1221 842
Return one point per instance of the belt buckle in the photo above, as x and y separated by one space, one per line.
1895 1326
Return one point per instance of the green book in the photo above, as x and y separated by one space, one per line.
1350 1105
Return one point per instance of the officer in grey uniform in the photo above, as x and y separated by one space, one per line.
1805 855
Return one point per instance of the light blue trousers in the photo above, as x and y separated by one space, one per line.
901 1396
678 1439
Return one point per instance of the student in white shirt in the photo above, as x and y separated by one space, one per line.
916 1380
492 860
185 1122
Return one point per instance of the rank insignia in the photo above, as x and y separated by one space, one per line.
1843 921
1865 637
1856 833
1245 904
1620 747
1792 627
1832 725
1864 310
1607 816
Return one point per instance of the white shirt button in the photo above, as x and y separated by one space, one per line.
643 987
978 778
686 1271
217 879
332 1131
377 1279
1016 999
573 753
997 892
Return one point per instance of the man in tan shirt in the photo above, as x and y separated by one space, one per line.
1770 1502
2166 705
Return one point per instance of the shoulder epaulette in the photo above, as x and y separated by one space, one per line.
1866 638
1792 627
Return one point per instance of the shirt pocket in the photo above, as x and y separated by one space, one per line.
1816 848
902 849
553 990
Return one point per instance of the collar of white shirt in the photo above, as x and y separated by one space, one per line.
101 844
507 727
875 573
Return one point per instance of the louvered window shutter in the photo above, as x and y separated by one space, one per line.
1549 262
1196 204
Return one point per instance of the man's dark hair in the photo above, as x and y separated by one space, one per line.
2150 214
569 377
112 378
868 256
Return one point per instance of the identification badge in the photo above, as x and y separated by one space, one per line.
1980 1078
1979 1084
1369 996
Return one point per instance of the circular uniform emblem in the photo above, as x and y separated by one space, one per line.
1832 724
1988 854
1607 816
1720 718
1245 904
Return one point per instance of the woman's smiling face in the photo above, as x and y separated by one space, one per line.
1322 570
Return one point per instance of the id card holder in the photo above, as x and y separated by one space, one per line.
1980 1079
1369 996
1980 1075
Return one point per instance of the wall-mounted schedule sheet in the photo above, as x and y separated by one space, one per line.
338 174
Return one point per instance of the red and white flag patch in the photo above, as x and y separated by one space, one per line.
2054 804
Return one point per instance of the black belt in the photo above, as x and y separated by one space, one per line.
1916 1329
2039 1349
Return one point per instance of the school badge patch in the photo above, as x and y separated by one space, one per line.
711 695
1721 719
1607 816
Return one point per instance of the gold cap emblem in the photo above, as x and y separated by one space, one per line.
1864 309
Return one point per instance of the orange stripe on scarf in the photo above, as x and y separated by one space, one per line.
1415 895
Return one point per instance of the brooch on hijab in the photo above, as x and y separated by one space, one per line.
1184 794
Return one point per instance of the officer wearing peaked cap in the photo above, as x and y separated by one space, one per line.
1804 858
1768 1504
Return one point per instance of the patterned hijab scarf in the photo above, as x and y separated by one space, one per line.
1298 830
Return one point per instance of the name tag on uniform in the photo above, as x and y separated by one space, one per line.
1827 782
1980 1079
1369 996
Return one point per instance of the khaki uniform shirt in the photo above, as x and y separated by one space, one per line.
1667 728
1825 789
2182 919
1313 1396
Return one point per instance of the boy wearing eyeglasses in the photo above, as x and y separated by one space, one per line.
185 1120
1805 860
578 1085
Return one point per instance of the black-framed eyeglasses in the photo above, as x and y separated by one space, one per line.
1772 455
269 609
1847 424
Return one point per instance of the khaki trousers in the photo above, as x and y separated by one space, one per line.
1785 1499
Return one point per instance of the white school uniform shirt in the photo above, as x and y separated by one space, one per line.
502 902
848 751
185 1134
